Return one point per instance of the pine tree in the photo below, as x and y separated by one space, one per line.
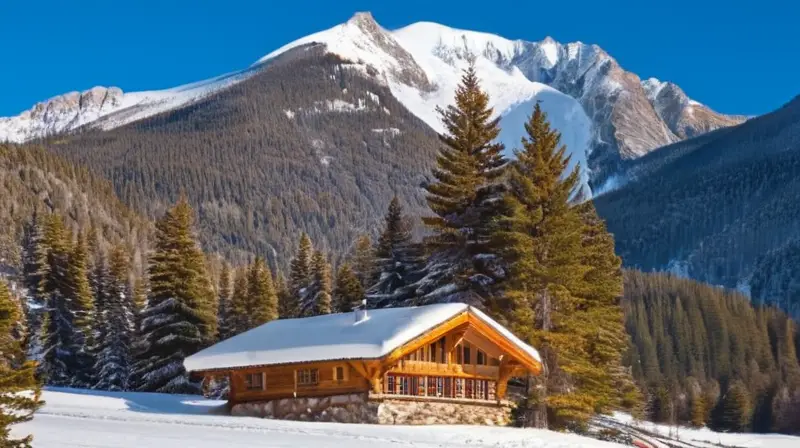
363 261
34 268
180 317
16 375
397 259
80 301
348 292
240 303
464 199
224 312
116 318
262 299
299 278
733 411
318 297
286 302
61 343
563 285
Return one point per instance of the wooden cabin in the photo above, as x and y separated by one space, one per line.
448 352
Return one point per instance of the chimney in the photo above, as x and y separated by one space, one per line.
361 312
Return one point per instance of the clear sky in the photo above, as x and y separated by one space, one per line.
735 56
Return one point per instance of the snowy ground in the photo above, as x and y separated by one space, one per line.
77 418
74 418
682 437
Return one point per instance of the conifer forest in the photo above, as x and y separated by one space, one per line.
97 295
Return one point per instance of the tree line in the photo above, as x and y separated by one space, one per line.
708 357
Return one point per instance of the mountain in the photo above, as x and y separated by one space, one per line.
722 208
605 114
308 142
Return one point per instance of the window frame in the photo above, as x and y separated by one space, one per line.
336 377
250 385
307 377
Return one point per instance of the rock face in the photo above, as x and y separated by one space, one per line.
67 111
359 408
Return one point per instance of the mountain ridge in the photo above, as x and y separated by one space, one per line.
421 63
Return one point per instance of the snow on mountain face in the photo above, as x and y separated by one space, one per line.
422 64
604 113
104 108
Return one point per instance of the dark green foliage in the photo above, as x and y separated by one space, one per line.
733 411
398 260
63 343
224 309
562 285
300 278
240 303
16 374
694 339
464 199
318 294
180 317
262 300
348 293
363 261
114 323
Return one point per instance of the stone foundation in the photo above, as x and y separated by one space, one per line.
360 408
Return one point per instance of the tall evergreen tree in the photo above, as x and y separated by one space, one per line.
397 260
540 237
286 302
240 303
348 292
80 302
318 297
299 277
62 344
34 269
180 317
115 318
363 260
464 199
16 375
224 312
262 299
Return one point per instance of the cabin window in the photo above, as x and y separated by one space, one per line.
338 373
442 352
467 354
254 381
307 377
481 358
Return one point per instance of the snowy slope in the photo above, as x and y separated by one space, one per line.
604 112
75 418
423 63
665 436
105 108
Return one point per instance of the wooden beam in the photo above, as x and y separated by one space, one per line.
461 321
530 363
360 367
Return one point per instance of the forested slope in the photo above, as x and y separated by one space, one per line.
308 144
713 207
695 346
34 180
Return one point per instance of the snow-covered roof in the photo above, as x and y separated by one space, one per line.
335 336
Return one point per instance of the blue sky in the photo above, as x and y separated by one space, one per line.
737 58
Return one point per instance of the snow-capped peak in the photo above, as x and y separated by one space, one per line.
587 95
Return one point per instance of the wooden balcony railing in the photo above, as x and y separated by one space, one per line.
434 368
